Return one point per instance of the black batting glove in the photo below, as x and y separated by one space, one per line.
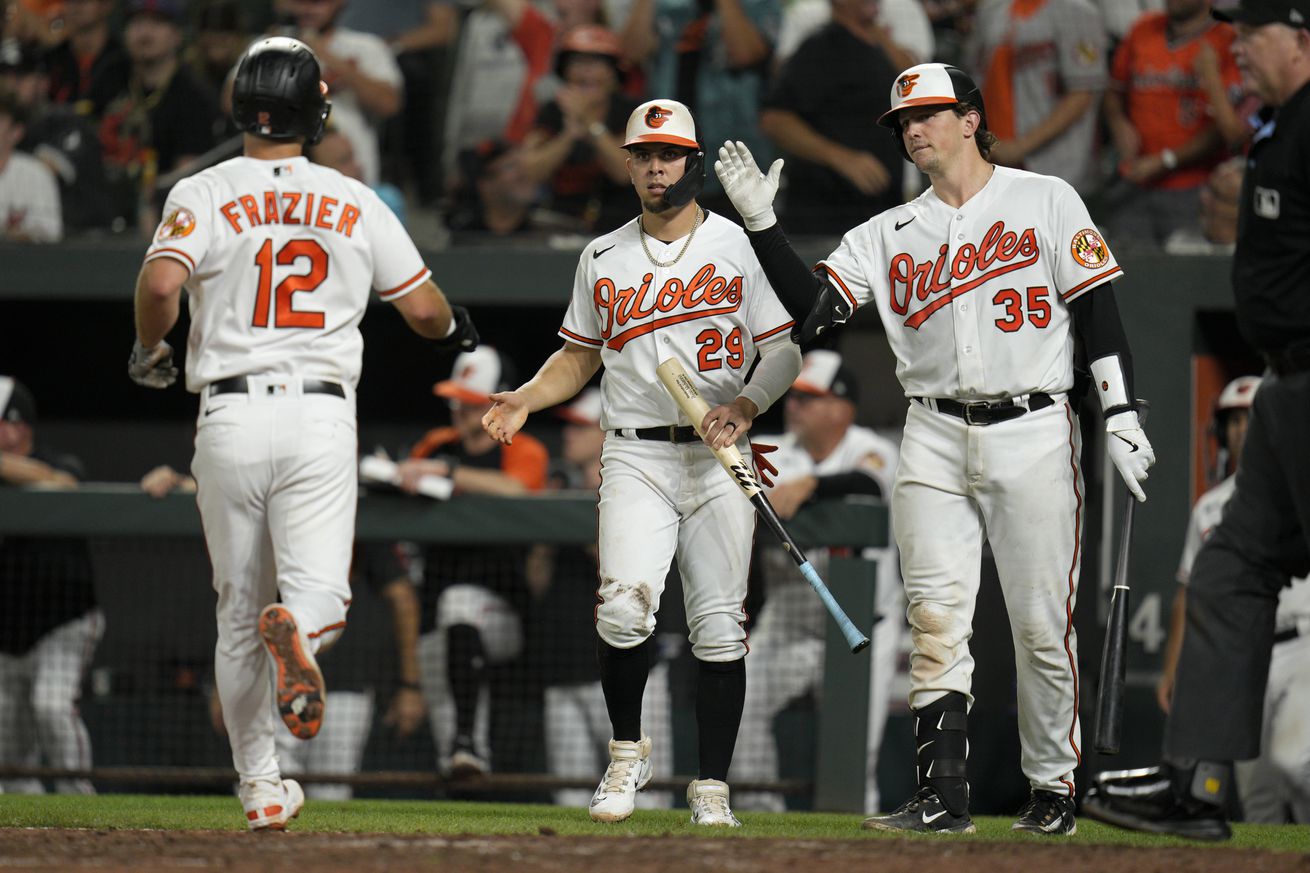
464 338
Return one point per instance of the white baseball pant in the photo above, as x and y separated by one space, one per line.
1016 484
1276 785
277 493
658 500
39 694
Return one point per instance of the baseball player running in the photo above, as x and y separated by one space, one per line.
980 283
675 282
1275 787
277 256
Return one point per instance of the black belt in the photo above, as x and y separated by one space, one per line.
239 385
988 412
1289 361
1284 635
669 433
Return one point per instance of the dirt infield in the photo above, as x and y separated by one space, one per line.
151 851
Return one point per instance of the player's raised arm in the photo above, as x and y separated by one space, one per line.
563 375
809 299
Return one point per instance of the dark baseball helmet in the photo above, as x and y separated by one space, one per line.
278 92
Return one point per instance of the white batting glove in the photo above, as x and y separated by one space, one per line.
750 191
1130 450
152 368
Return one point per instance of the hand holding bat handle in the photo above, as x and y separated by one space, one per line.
1114 653
679 384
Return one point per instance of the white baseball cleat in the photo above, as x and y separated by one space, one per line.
708 799
271 803
628 772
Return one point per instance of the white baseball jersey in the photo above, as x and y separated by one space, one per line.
975 300
710 310
1293 602
281 254
29 200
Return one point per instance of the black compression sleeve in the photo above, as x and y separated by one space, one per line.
842 484
793 282
1097 323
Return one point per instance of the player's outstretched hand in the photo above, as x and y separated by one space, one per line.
1130 450
750 191
508 412
152 368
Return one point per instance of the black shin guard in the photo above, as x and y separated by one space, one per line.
466 668
720 697
941 734
623 675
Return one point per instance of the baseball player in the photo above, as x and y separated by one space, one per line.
473 597
981 283
676 282
277 256
1274 788
823 454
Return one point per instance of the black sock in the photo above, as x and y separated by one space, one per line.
623 675
466 671
720 696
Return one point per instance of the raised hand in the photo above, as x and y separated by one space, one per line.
750 191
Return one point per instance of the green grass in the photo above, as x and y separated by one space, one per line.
431 817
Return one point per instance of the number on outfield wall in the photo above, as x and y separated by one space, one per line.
285 314
711 341
1146 628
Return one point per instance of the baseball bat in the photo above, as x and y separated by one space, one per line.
679 384
1114 652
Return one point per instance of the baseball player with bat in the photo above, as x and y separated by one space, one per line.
982 284
677 283
278 257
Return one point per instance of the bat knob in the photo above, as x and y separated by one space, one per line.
860 646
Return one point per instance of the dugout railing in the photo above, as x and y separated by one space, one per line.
147 695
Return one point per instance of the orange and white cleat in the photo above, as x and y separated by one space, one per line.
270 803
301 695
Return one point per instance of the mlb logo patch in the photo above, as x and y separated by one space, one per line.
1266 204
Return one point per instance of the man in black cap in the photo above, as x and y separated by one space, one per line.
1263 540
49 621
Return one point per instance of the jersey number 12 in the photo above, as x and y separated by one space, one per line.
284 314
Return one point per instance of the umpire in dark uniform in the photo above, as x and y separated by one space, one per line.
1264 538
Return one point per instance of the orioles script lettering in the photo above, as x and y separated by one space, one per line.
971 267
705 295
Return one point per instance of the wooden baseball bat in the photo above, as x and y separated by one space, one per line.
679 384
1114 652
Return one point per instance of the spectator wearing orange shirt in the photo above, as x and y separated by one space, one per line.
1158 114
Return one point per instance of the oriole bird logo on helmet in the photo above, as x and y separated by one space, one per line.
905 84
656 116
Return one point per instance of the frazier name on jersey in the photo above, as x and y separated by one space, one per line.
919 281
291 207
620 307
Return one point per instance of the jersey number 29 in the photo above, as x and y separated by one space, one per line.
284 314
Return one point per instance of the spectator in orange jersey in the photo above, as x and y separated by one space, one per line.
1157 112
472 597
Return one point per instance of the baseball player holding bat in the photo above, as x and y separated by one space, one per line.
676 282
278 257
982 284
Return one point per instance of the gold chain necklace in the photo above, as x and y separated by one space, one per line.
641 230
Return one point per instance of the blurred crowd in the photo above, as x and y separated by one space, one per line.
501 119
